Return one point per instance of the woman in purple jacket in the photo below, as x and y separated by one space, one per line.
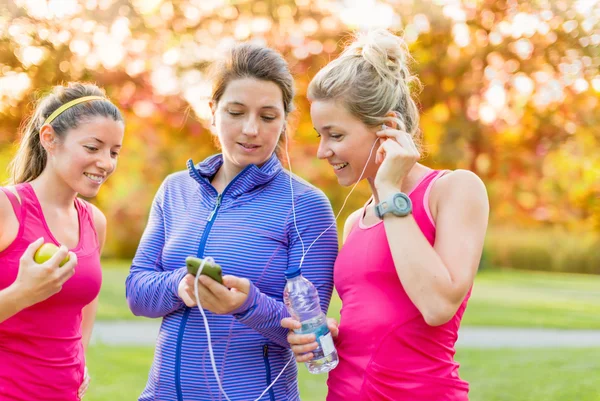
235 207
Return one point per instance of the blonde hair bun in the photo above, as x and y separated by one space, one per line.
372 78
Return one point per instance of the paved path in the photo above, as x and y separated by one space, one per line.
145 332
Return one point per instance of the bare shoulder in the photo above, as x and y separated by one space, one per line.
99 218
459 189
350 221
459 183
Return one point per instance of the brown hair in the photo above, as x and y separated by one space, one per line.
247 60
31 158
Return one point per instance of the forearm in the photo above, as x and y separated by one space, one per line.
87 322
263 314
424 276
11 302
154 293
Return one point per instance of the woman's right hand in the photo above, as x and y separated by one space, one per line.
38 282
303 344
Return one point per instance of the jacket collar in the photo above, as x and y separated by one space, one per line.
249 178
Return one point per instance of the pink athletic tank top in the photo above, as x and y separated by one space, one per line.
386 350
41 353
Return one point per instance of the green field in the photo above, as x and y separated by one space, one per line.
501 297
120 373
520 298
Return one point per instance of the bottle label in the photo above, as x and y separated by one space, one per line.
322 335
326 343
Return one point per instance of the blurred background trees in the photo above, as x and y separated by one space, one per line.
511 91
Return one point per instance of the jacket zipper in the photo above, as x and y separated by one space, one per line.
268 369
214 211
186 312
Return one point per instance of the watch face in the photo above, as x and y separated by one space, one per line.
400 203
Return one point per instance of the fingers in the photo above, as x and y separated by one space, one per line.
68 269
304 350
290 323
238 283
304 357
59 256
302 345
304 342
380 155
333 326
301 339
407 142
387 147
207 298
213 286
84 386
30 251
186 290
402 138
189 300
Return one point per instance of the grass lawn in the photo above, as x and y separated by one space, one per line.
120 373
112 304
534 299
501 297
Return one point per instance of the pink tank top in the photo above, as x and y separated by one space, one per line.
41 353
386 350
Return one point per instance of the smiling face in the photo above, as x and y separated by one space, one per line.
249 119
87 154
345 141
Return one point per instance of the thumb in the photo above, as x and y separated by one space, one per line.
333 327
32 248
237 283
380 155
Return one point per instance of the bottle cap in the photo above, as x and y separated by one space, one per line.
293 272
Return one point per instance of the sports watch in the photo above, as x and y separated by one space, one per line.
398 204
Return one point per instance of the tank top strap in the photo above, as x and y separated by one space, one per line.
420 200
424 183
86 221
434 178
18 209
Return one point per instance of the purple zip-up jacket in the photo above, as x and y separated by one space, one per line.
249 231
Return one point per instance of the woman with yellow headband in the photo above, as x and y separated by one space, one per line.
47 308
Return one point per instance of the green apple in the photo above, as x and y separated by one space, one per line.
45 252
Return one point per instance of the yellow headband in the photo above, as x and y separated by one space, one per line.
72 103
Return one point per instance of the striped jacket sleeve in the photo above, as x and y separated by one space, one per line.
150 290
314 216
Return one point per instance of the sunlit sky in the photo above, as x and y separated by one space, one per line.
113 47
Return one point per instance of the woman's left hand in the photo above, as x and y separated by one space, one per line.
86 382
220 299
397 156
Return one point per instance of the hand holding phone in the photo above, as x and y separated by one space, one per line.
209 269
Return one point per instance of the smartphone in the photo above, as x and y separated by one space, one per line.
212 270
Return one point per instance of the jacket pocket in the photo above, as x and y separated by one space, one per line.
268 370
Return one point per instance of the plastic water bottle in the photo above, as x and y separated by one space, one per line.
302 301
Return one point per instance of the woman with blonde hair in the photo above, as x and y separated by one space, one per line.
406 268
